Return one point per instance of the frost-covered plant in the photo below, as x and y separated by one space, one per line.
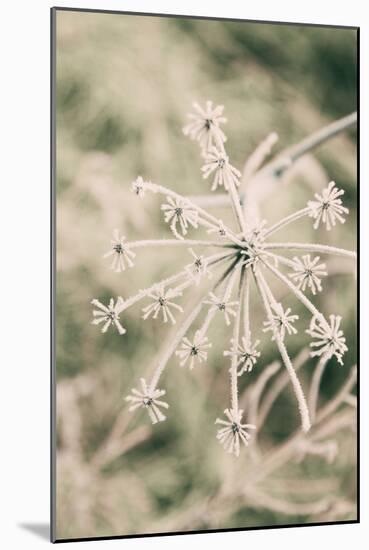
247 254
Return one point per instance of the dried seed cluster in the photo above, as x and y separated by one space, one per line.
244 254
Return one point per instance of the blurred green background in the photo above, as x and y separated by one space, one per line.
124 86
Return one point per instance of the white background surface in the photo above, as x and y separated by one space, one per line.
24 318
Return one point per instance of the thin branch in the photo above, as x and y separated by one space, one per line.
315 385
303 409
339 421
236 336
339 398
256 159
325 449
303 487
287 158
235 198
246 308
175 242
228 291
279 259
282 506
236 204
286 221
173 345
257 390
291 155
116 447
278 386
311 247
212 311
351 400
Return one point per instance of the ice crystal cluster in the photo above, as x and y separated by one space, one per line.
224 269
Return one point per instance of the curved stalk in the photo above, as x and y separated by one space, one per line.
257 390
289 156
314 140
315 385
339 398
256 159
303 408
278 385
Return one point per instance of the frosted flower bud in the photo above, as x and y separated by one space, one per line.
227 308
205 125
217 164
194 351
329 338
308 273
233 431
246 354
178 212
162 303
149 400
327 208
109 315
120 253
282 321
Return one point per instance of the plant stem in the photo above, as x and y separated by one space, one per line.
236 336
257 390
246 308
173 345
235 199
304 412
212 310
281 259
311 247
256 159
175 242
277 387
287 158
315 385
285 221
274 169
339 398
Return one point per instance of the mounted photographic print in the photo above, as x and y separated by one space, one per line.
204 346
